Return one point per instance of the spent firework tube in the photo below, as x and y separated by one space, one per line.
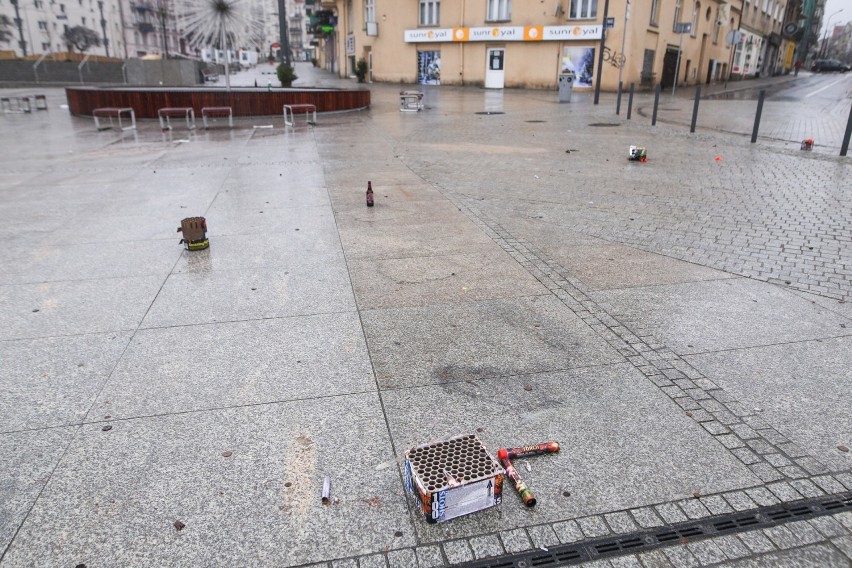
530 451
526 495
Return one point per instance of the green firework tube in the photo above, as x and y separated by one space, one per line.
530 451
526 495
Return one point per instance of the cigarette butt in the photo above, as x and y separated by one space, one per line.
326 491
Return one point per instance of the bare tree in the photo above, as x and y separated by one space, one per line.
81 38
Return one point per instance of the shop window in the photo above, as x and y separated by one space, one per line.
499 10
430 12
583 9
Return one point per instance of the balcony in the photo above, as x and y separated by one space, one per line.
141 7
145 27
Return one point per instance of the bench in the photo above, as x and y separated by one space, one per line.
410 101
168 112
217 111
117 113
22 104
305 108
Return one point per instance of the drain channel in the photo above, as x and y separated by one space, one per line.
595 549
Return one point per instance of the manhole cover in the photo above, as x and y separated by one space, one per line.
535 121
489 112
604 124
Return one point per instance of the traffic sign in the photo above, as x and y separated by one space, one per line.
734 37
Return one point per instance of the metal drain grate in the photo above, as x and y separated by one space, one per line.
599 548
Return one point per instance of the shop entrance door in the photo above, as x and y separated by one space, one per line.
494 67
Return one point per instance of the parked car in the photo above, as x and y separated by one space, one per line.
822 65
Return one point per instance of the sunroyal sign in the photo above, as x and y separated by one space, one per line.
503 33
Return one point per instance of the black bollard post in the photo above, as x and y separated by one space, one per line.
695 108
630 100
656 104
618 100
845 147
757 116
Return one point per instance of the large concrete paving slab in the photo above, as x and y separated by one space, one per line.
485 272
414 235
493 338
624 444
197 367
721 314
54 381
309 285
115 496
51 261
802 389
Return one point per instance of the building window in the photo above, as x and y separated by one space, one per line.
370 10
655 8
695 12
583 9
83 20
717 25
38 4
499 10
42 26
350 16
430 12
676 16
62 8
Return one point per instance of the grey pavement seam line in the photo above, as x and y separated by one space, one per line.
192 411
178 325
698 397
762 345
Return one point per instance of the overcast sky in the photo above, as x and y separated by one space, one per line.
834 5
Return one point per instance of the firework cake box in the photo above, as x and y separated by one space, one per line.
453 477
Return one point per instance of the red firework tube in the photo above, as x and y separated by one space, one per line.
526 495
530 451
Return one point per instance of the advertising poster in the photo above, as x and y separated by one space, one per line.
580 60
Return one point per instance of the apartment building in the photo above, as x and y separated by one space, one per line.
501 43
37 26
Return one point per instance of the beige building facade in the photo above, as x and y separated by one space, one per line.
528 43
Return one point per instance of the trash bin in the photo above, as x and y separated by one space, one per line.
566 85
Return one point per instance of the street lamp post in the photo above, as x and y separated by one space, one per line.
825 37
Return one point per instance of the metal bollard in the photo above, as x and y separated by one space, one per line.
657 92
695 108
618 100
757 116
845 147
630 100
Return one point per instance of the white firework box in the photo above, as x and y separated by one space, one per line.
453 477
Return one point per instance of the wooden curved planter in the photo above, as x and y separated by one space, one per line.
145 101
